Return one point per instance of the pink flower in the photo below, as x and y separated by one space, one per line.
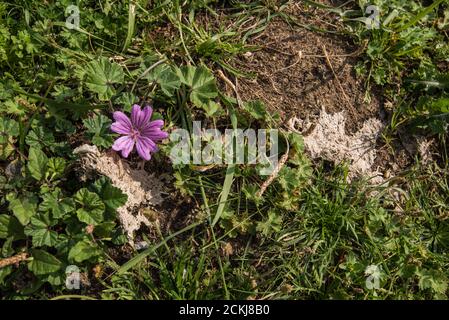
138 131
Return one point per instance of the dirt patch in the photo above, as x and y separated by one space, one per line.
328 140
151 201
298 72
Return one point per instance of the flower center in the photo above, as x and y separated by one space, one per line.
135 134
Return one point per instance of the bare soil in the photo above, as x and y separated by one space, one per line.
297 71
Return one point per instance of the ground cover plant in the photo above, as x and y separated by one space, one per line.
93 205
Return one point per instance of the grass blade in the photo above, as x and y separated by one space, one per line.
138 258
225 193
422 14
131 25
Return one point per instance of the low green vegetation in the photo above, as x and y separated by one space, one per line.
311 235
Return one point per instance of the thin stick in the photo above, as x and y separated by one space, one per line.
335 75
273 176
229 82
13 260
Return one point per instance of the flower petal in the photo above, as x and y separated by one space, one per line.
143 150
148 143
146 116
127 149
135 115
122 143
153 124
122 118
155 134
120 127
149 129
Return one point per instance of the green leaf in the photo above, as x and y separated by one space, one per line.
4 272
56 204
6 149
186 74
297 155
112 197
126 99
202 84
39 230
250 191
43 262
440 105
92 208
211 107
203 87
56 168
432 279
83 250
10 227
37 163
98 131
292 178
256 109
8 127
4 226
55 279
273 223
11 106
166 78
105 229
131 25
23 208
101 75
7 249
39 137
227 184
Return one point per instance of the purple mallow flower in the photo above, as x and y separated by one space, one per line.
138 131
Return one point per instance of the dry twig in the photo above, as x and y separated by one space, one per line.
233 86
273 176
336 77
13 260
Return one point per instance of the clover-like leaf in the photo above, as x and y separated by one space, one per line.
126 99
91 209
55 203
112 197
39 137
98 131
273 223
6 149
55 168
432 279
186 74
55 278
105 229
166 78
8 127
101 75
203 88
211 108
39 230
203 84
